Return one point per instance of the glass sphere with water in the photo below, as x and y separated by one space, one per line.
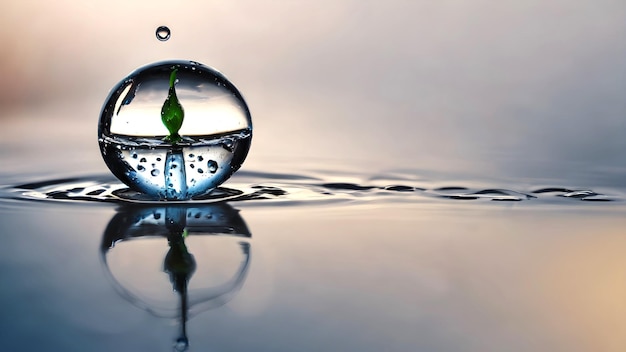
174 130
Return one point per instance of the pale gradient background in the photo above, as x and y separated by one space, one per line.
531 90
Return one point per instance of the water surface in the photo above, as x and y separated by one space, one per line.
315 260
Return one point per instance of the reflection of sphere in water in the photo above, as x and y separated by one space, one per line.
140 244
203 147
138 241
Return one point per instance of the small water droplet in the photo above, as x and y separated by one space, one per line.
181 344
200 158
158 159
191 155
192 166
155 172
141 168
163 33
212 165
134 155
200 171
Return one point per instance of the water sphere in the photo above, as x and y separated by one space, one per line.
174 130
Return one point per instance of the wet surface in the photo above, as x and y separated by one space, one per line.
298 188
370 274
330 260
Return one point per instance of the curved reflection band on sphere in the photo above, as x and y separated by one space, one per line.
175 226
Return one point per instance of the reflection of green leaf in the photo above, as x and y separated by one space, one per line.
172 113
179 263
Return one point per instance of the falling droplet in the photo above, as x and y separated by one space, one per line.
163 33
212 165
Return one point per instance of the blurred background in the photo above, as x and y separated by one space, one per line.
526 90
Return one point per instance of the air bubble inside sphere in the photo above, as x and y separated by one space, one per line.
174 130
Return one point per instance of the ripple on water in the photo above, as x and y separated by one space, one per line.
287 189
